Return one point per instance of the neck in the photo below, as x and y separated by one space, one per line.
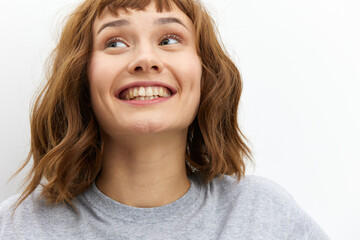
144 171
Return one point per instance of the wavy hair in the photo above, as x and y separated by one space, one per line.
66 146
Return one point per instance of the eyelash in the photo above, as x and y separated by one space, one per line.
173 36
115 39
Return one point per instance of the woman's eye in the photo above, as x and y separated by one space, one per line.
169 40
115 43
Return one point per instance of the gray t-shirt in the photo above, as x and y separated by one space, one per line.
256 208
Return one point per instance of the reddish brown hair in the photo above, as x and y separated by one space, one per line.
66 146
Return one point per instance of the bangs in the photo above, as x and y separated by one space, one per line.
114 5
191 8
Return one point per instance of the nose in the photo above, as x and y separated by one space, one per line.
146 61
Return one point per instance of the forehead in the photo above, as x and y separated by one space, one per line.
149 11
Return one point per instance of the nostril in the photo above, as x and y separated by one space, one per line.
138 68
145 67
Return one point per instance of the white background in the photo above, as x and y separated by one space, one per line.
300 62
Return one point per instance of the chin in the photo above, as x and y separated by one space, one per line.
147 127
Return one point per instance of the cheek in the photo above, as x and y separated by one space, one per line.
189 71
100 82
191 83
100 76
194 76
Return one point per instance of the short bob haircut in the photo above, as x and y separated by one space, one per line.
66 145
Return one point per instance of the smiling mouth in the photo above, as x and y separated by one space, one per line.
145 93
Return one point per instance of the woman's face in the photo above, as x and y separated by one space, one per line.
145 73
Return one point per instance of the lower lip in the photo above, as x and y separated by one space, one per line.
145 102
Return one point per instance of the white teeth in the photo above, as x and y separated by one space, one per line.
149 91
136 92
146 93
145 98
142 91
161 92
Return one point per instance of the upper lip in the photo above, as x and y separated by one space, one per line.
145 84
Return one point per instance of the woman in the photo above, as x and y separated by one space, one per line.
135 136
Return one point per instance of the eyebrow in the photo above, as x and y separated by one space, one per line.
168 20
117 23
159 21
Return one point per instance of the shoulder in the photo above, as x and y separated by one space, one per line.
6 207
251 187
265 188
32 218
6 211
263 202
8 202
252 194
